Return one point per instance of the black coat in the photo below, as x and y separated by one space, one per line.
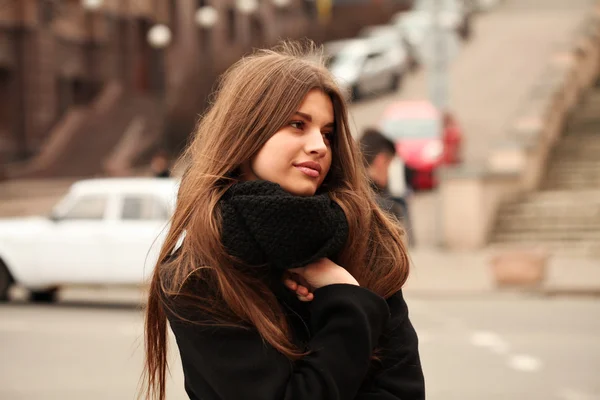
341 326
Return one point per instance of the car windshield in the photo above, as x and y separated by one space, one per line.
417 128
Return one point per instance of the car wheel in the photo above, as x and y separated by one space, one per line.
6 281
43 296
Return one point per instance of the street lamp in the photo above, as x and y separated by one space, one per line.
159 37
281 8
90 7
206 17
282 3
247 6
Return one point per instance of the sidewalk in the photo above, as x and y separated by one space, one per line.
438 273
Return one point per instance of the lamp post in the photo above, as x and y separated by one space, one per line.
247 7
90 8
282 3
206 18
159 37
280 7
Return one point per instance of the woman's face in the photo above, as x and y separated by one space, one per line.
298 156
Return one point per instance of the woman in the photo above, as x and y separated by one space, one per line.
280 277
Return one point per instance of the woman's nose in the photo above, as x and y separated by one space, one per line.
315 142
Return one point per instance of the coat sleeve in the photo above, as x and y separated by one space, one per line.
400 376
233 363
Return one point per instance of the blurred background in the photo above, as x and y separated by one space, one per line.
492 108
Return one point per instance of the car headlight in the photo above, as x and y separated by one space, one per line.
433 151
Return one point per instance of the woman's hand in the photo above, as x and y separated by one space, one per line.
321 273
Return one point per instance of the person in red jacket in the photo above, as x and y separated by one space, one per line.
280 276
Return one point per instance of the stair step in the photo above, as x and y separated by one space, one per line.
576 227
571 186
548 235
579 249
573 166
562 196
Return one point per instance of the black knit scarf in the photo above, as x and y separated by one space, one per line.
265 225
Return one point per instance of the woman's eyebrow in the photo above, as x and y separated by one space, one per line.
308 117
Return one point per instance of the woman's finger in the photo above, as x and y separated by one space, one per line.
302 291
290 284
308 297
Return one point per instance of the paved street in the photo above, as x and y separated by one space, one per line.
501 347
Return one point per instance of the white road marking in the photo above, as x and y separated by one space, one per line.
490 340
572 394
525 363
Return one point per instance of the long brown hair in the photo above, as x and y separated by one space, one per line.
254 99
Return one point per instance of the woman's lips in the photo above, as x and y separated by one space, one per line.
310 168
309 171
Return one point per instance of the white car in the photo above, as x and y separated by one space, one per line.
392 34
364 66
103 232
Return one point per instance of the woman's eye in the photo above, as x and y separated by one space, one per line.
328 135
297 124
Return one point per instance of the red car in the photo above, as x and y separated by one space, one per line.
425 139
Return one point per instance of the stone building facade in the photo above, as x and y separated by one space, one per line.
83 92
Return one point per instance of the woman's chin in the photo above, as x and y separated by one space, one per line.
301 188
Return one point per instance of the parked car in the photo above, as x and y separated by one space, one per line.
362 66
392 34
103 232
456 13
425 139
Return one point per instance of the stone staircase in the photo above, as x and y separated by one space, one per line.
87 136
564 215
